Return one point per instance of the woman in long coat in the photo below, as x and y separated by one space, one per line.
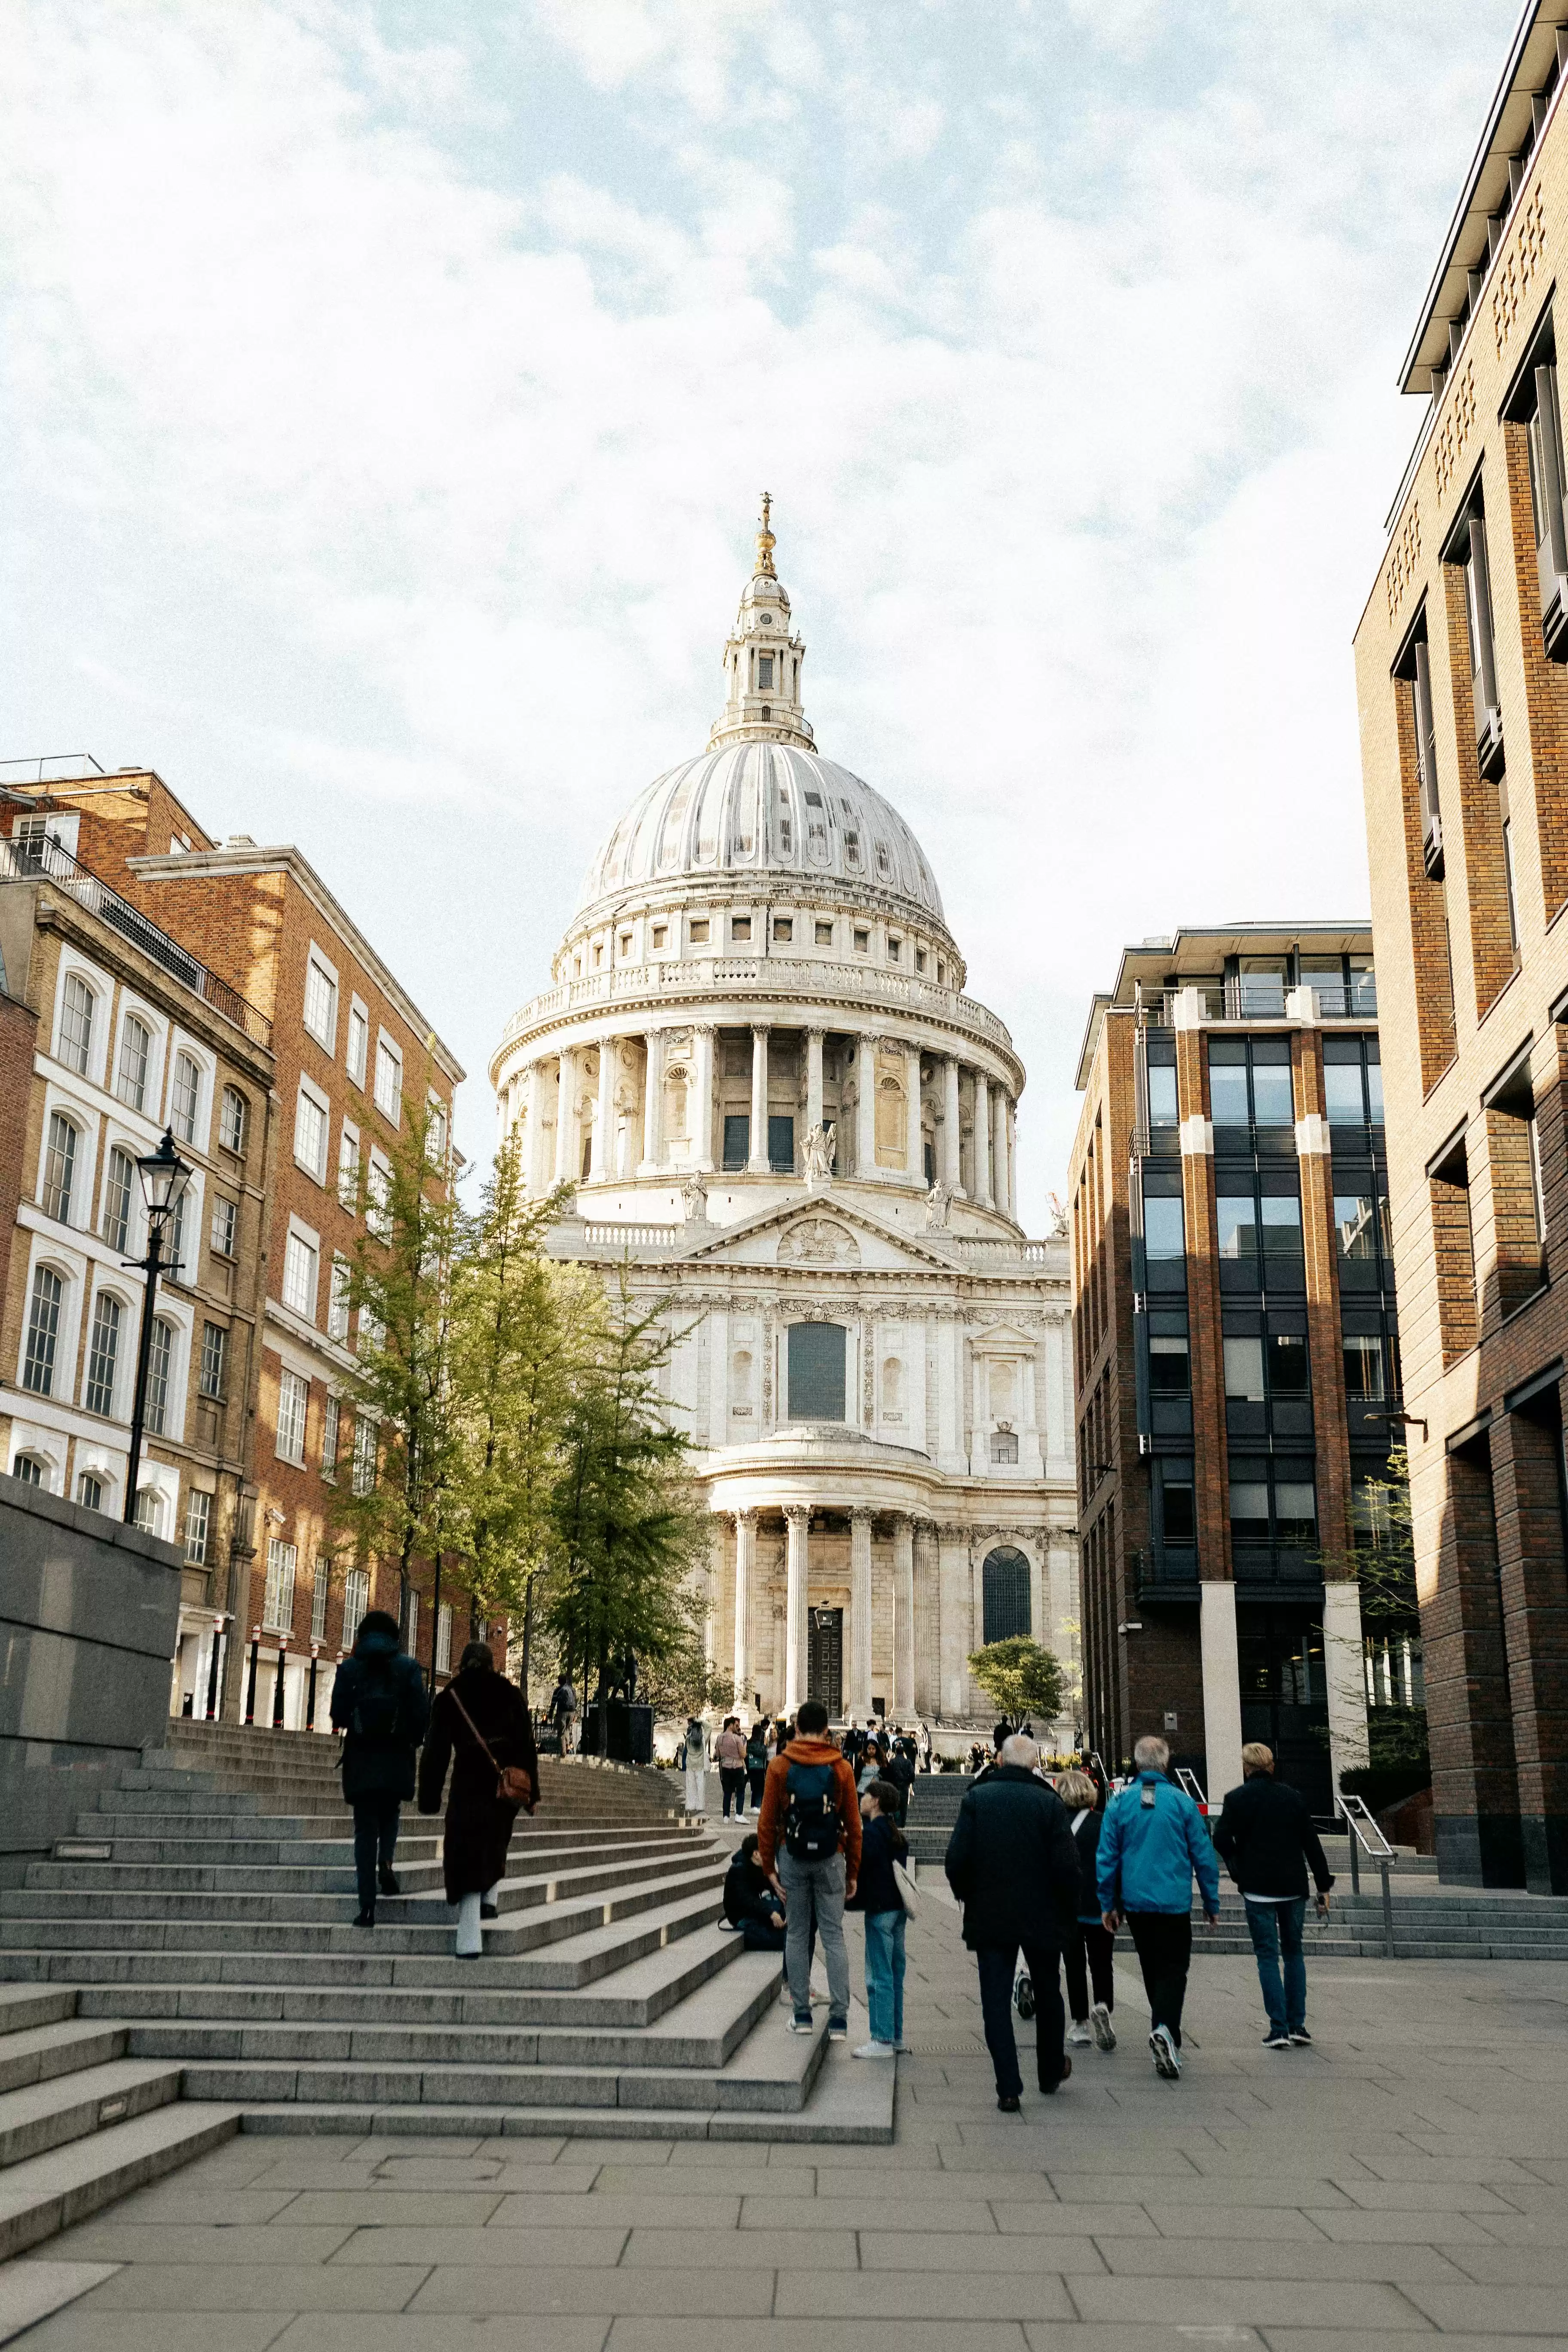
478 1818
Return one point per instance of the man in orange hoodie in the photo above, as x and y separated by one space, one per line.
808 1835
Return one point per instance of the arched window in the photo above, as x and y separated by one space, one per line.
231 1125
59 1168
816 1352
185 1094
1004 1446
1006 1584
160 1357
103 1356
148 1510
135 1052
30 1470
675 1107
119 1191
76 1002
43 1331
89 1491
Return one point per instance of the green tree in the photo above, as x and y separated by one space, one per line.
631 1530
1382 1563
1022 1679
395 1502
520 1331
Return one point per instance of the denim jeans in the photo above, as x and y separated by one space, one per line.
814 1890
998 1965
1276 1930
885 1974
375 1843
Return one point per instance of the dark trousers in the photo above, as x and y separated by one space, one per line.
757 1774
732 1780
1163 1941
1086 1949
375 1841
997 1964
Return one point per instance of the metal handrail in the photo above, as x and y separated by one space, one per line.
38 858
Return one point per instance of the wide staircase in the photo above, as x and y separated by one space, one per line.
186 1966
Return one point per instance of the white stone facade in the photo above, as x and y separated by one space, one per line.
759 1069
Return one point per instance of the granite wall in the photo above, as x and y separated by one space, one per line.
88 1612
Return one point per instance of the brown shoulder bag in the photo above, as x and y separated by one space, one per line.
513 1786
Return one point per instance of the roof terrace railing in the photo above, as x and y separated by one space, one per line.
36 858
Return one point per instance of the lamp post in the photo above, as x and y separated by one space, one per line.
165 1176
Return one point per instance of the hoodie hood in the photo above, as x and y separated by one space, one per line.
806 1748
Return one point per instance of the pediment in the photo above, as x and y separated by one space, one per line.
821 1234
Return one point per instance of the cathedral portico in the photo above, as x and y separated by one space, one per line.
758 1068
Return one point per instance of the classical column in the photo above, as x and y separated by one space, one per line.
983 1140
813 1078
652 1105
602 1161
914 1156
757 1164
533 1127
999 1148
954 1604
565 1121
861 1613
797 1520
1345 1674
951 1128
1013 1160
745 1557
703 1132
928 1620
865 1121
903 1615
1222 1686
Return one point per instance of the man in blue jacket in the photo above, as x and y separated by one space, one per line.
1153 1841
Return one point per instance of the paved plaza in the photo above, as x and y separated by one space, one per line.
1410 2176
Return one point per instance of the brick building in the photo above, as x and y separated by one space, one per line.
1463 690
1236 1349
350 1049
109 1031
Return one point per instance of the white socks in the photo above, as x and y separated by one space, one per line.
470 1943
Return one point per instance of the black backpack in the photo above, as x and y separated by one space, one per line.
378 1703
811 1820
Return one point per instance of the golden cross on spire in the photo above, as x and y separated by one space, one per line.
765 542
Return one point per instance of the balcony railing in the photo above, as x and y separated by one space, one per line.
1260 1000
33 859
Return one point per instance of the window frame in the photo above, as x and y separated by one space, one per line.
300 1243
320 968
388 1052
356 1046
294 1387
309 1095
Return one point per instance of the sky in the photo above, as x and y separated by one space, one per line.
386 392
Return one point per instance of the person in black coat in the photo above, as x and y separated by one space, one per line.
1088 1946
479 1710
1012 1863
379 1704
1265 1839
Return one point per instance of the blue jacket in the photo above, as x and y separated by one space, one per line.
1148 1854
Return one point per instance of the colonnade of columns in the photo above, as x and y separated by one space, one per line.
989 1178
857 1676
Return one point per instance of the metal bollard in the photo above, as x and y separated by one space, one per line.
1387 1912
1355 1856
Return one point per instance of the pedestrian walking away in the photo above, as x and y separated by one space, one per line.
693 1760
381 1707
1088 1949
563 1712
1265 1839
480 1726
757 1762
1012 1863
730 1755
878 1895
1154 1842
809 1846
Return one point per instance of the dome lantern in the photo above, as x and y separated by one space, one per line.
762 661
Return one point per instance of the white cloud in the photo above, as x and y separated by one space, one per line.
386 420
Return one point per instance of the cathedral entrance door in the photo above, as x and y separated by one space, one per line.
824 1660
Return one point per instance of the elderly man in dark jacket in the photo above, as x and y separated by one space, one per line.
1012 1863
1266 1838
380 1706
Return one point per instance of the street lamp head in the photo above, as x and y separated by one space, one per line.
165 1176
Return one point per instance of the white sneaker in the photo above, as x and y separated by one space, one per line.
1100 2026
877 2050
1166 2056
1077 2032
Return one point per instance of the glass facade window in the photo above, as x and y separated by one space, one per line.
1178 1506
1164 1230
1273 1099
1163 1109
1365 1382
1170 1366
1237 1221
1281 1225
1244 1372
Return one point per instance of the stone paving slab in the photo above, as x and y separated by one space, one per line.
1404 2180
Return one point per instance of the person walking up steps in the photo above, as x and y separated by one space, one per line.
1012 1863
1152 1843
882 1843
1087 1948
379 1704
1267 1842
482 1721
730 1755
694 1764
808 1842
757 1761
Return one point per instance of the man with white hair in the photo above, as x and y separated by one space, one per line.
1012 1863
1153 1842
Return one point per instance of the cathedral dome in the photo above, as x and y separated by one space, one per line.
756 807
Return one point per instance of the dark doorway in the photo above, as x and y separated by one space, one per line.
1285 1698
781 1144
737 1138
825 1659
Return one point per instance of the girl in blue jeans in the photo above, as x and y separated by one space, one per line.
877 1894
